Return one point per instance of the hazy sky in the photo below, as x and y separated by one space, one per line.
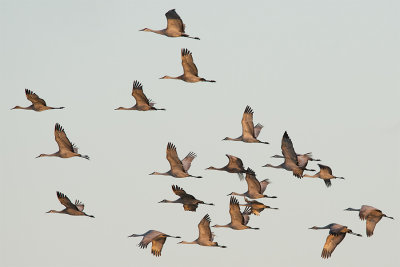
325 71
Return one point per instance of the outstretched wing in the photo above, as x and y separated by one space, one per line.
178 191
34 98
157 245
190 207
253 185
174 22
234 211
257 130
235 162
246 215
290 156
65 201
324 169
187 161
79 205
204 229
264 184
331 242
62 139
372 219
148 237
137 93
172 157
189 68
247 122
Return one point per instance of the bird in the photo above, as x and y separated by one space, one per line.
38 104
337 233
142 102
256 207
190 72
235 165
190 203
157 240
371 215
239 219
255 189
325 173
206 237
249 132
291 163
179 169
66 149
302 160
175 26
70 209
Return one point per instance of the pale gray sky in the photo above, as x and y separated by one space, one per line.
325 71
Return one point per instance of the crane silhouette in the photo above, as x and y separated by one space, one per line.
66 149
70 209
249 131
157 240
142 102
325 174
256 207
235 165
38 104
206 237
190 72
179 169
371 215
336 235
175 26
190 203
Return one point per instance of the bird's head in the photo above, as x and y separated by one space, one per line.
314 228
276 156
118 108
52 211
163 201
267 165
226 138
16 107
41 155
144 30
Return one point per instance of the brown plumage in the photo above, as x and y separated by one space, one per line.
249 131
235 165
190 72
325 174
255 206
190 203
157 240
175 26
179 169
142 102
38 104
70 208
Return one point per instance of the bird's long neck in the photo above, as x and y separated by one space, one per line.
236 194
219 226
170 77
186 242
160 173
156 31
310 176
122 108
277 156
170 201
351 209
272 166
56 211
48 155
135 235
19 107
216 169
233 139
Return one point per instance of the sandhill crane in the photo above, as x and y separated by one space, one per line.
235 165
291 163
206 237
190 72
70 209
190 203
157 240
337 233
255 189
175 26
256 207
38 104
239 220
66 149
302 160
142 102
371 215
249 132
179 169
324 173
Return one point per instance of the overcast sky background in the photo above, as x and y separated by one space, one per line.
325 71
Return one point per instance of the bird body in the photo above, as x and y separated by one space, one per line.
325 174
372 215
70 208
302 160
255 207
179 169
142 102
206 237
156 238
38 104
175 26
336 235
235 165
249 131
190 203
190 72
66 149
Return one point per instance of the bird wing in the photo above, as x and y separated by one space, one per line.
204 229
302 160
190 207
62 139
65 201
324 169
264 184
247 122
174 22
172 157
148 237
187 161
288 149
235 162
257 129
178 191
234 211
337 229
34 98
331 242
79 205
372 219
187 63
246 215
364 211
137 93
253 185
157 245
328 182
